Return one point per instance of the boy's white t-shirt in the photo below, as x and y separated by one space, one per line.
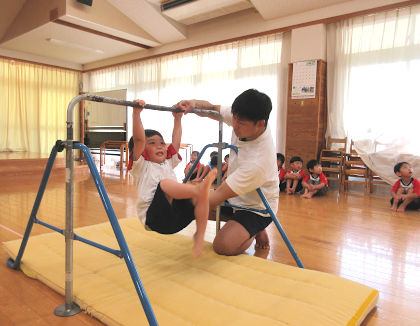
254 167
147 176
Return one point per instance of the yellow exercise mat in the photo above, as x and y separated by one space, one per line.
212 290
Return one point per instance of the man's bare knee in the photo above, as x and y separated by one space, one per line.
222 247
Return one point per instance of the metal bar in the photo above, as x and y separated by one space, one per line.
119 235
16 263
219 171
280 228
99 246
52 227
95 98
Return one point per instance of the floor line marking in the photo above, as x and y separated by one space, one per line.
10 230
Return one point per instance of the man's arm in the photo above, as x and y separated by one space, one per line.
221 194
139 138
177 131
188 105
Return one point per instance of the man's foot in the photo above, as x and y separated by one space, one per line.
261 240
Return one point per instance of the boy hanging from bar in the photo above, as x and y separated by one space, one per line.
164 205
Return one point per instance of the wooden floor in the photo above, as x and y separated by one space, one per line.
350 235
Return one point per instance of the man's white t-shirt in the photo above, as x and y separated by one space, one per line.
254 167
147 176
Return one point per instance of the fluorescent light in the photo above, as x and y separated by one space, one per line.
73 45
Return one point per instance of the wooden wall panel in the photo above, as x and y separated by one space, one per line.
307 119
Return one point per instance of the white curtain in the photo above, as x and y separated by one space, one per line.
373 81
217 74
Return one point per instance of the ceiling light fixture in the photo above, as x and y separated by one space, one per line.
74 45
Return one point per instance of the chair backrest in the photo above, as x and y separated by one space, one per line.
352 150
341 143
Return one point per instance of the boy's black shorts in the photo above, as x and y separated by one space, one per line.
415 204
251 221
165 218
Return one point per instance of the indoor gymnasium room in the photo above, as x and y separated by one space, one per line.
244 160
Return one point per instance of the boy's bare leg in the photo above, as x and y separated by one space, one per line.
309 194
200 198
294 185
288 186
261 240
404 204
305 194
397 198
232 239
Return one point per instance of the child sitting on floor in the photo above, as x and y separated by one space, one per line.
315 182
406 191
282 171
200 170
163 204
294 176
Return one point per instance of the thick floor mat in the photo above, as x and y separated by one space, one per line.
212 290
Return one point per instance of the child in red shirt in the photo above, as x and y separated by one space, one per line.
406 191
294 176
282 171
315 182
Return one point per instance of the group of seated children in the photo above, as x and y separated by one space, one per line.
295 180
405 192
201 170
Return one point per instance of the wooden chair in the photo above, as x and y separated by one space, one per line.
122 145
354 170
332 159
375 179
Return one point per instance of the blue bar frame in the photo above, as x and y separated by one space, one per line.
124 253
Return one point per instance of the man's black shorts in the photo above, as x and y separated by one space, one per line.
251 221
165 218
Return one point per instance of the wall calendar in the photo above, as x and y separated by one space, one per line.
304 79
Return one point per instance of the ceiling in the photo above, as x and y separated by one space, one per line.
68 31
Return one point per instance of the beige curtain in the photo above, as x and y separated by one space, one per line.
217 73
33 105
373 78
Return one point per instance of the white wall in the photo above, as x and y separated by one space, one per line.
309 43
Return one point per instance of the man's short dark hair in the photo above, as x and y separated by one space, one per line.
252 105
398 166
295 159
311 164
280 157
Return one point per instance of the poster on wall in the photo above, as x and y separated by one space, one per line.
304 79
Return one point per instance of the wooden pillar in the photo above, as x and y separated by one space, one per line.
307 119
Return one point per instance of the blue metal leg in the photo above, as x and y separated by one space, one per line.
32 218
279 227
120 237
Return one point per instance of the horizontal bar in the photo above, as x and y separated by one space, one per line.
103 99
52 227
81 239
98 245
